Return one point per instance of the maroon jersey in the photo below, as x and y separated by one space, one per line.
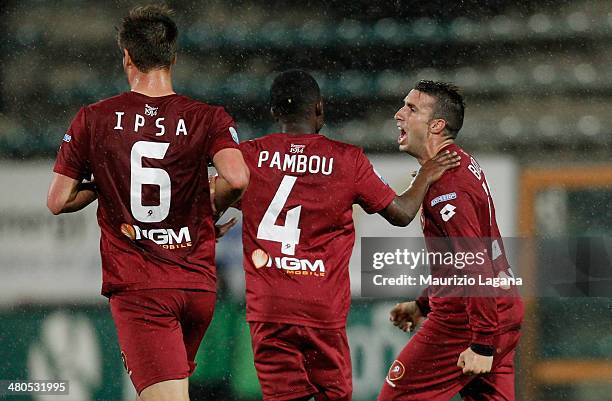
459 207
149 158
298 230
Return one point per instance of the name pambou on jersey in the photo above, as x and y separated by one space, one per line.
296 161
290 265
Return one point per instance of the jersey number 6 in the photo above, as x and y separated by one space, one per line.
140 176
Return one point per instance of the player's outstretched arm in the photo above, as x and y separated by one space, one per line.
233 178
402 210
67 195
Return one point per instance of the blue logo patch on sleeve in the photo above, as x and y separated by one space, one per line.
443 198
67 138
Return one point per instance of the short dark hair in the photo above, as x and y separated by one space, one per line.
149 35
292 94
449 105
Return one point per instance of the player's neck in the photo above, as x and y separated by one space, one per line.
154 83
304 127
433 149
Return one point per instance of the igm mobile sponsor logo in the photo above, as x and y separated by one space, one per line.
168 238
290 265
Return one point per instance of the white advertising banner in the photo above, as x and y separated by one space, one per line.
42 256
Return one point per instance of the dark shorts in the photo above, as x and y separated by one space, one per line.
426 370
160 332
298 361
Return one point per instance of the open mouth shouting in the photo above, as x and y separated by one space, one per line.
402 135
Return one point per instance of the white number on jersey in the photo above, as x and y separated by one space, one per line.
149 176
474 167
289 234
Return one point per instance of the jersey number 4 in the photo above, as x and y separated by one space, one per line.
140 176
289 234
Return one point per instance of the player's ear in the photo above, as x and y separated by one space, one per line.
319 115
437 126
319 108
127 60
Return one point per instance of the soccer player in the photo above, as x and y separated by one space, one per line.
148 150
298 235
466 344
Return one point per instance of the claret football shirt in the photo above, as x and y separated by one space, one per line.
459 208
149 157
298 230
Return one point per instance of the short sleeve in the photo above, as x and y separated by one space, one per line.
371 192
223 133
73 156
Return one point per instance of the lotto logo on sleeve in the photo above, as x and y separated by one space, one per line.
447 212
67 137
